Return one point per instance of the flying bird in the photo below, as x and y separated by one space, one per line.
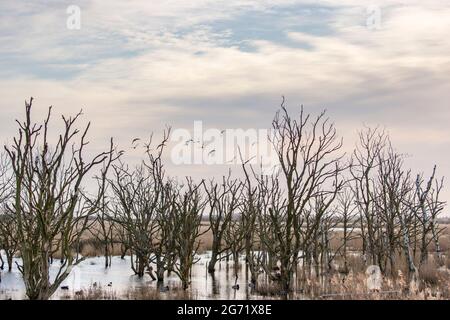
133 143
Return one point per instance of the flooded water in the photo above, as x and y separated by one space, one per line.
121 279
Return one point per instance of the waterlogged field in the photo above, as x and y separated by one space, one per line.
118 281
90 280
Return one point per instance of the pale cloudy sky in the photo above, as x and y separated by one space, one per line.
137 65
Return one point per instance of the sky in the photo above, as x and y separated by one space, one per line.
136 66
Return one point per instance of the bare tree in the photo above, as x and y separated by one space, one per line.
164 250
50 206
363 168
6 187
8 237
223 200
121 235
307 150
347 217
428 208
234 239
392 194
142 199
135 211
188 212
408 232
253 204
392 207
271 224
103 230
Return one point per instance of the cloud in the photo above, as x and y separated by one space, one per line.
137 65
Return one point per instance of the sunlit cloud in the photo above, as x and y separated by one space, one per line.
135 66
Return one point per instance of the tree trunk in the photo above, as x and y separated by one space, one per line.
436 239
150 273
9 259
214 254
123 250
407 249
107 260
37 289
139 270
159 269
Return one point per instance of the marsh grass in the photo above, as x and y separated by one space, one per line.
139 293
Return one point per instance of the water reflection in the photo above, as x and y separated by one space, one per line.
119 279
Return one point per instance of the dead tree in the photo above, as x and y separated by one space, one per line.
188 212
140 200
135 211
8 237
253 204
346 210
164 244
234 239
102 230
271 224
8 228
223 200
121 235
363 168
393 189
408 232
308 152
436 207
428 208
6 185
327 232
318 222
49 205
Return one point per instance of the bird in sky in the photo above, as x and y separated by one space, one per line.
134 143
